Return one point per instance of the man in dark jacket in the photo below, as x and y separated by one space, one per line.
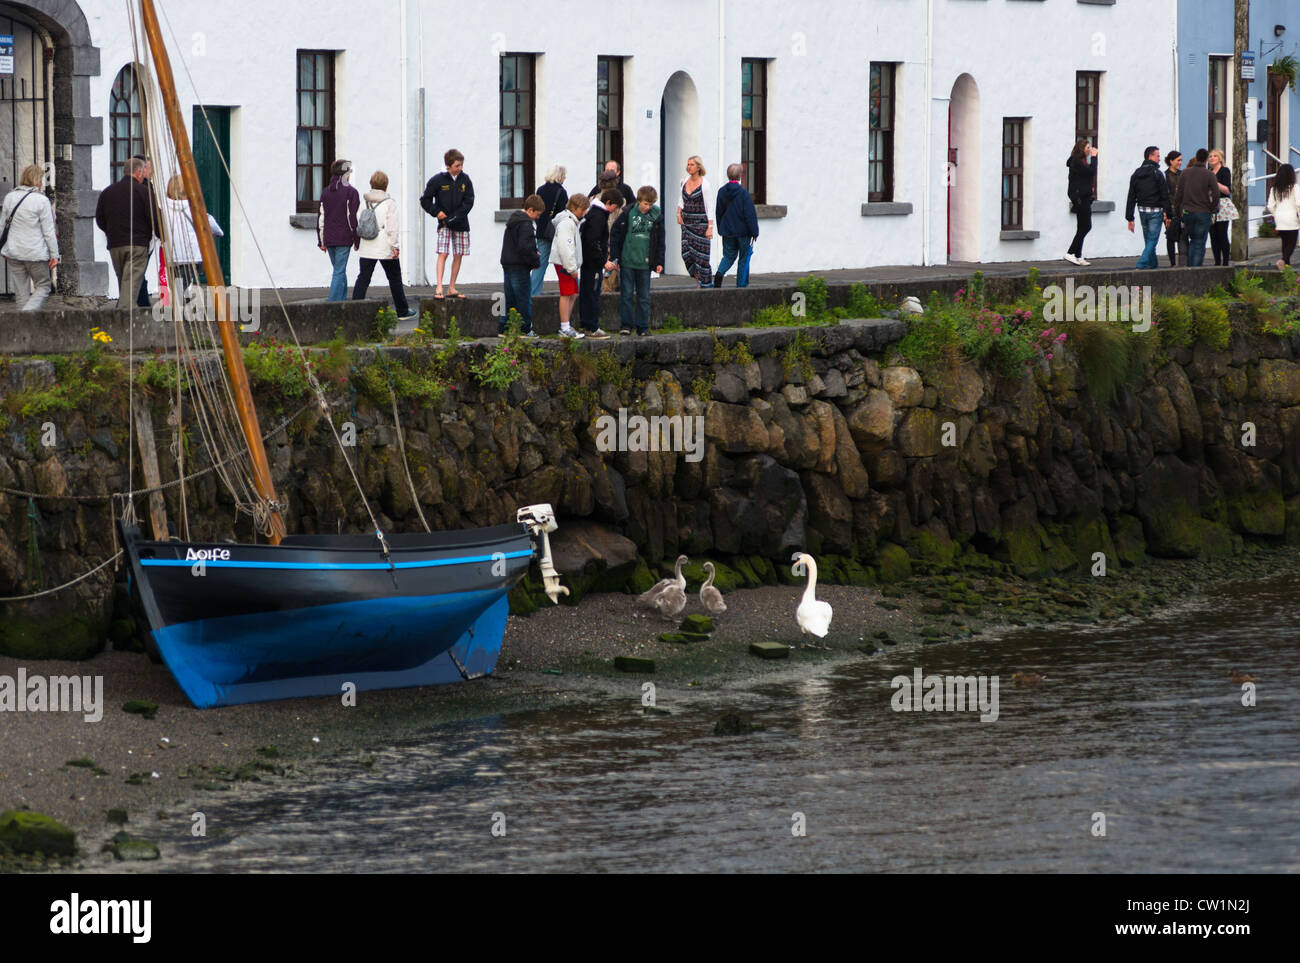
127 216
518 259
1149 191
1196 202
737 222
594 232
613 167
142 299
448 197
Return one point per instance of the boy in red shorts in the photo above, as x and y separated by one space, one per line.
566 255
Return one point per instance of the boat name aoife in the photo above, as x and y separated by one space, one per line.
207 555
654 433
76 917
946 693
56 693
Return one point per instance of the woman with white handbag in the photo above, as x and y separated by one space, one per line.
1227 211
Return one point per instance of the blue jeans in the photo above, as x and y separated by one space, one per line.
519 297
339 282
1151 224
634 285
1198 229
540 272
731 248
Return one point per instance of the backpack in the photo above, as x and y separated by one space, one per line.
368 223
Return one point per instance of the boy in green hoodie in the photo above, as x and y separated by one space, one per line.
635 243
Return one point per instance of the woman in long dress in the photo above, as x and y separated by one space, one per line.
694 214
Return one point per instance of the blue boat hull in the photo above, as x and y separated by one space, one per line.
254 623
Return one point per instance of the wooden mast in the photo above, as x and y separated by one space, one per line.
212 269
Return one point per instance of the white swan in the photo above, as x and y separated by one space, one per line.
814 617
650 597
710 597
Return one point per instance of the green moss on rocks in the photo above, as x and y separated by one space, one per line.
1023 549
521 599
940 551
893 564
1218 540
141 707
1130 544
697 623
764 569
726 578
1293 520
28 832
1258 513
46 635
1173 530
641 579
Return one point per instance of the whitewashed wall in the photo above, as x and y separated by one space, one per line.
1022 55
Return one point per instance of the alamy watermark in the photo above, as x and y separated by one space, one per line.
680 433
200 301
1113 303
56 693
946 693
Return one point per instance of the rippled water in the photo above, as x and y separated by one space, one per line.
1139 722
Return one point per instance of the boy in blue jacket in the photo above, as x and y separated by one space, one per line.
518 259
737 222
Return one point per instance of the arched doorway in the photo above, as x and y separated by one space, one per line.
46 118
679 138
964 171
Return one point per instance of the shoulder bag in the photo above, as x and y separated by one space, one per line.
4 235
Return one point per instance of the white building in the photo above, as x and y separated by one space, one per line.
399 81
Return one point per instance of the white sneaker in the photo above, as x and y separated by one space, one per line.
1083 262
571 333
1072 259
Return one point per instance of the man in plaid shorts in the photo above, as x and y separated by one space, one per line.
448 197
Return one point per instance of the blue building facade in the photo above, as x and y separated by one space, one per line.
1206 72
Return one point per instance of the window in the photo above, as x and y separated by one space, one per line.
1087 97
125 121
1217 132
609 111
315 126
1013 173
753 127
880 159
516 145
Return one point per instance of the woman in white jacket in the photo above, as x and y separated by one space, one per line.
566 255
695 215
383 247
1286 214
31 249
186 259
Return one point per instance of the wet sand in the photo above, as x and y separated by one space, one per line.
558 655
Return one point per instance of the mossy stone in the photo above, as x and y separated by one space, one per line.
697 623
769 650
1293 520
1130 543
49 635
641 579
633 663
764 569
1218 540
746 572
893 564
138 850
116 817
939 551
1024 551
1258 513
30 832
141 707
123 634
855 573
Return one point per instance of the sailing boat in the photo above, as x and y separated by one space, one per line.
307 615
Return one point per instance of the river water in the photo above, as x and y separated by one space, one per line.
1138 722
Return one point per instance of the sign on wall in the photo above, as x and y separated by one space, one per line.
6 53
1248 65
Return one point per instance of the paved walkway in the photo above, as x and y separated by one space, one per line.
1264 252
